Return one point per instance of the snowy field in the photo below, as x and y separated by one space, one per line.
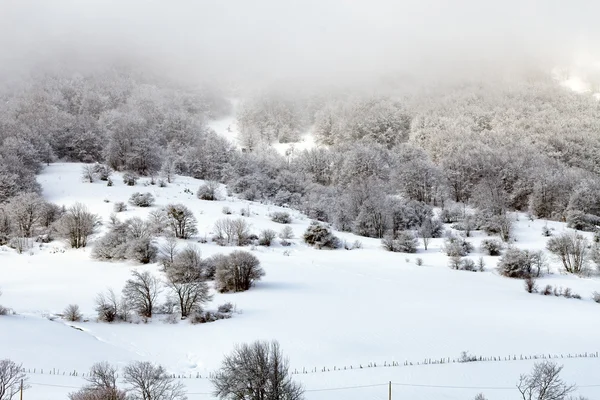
328 309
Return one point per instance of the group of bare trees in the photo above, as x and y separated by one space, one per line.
186 277
143 381
254 371
27 217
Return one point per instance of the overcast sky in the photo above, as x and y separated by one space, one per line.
303 39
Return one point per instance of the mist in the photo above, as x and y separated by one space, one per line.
271 41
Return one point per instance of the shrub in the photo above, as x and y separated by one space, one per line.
320 236
547 290
419 261
108 307
404 242
456 246
225 308
480 264
452 214
102 171
130 179
530 285
72 313
226 210
463 264
237 272
286 233
596 297
581 221
208 191
492 247
142 250
281 217
141 199
209 265
520 264
495 225
119 207
573 251
546 232
266 237
232 232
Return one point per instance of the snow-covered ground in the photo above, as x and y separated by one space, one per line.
328 309
228 128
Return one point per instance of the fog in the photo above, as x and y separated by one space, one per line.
258 41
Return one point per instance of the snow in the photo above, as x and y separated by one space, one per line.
227 128
328 309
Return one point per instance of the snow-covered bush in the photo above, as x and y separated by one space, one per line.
232 232
141 199
72 313
102 171
572 249
320 236
119 206
76 225
492 247
266 237
226 210
596 297
463 264
456 246
403 242
130 179
110 308
530 285
451 214
522 264
142 250
208 191
281 217
226 308
237 272
495 224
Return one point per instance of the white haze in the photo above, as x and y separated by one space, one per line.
341 41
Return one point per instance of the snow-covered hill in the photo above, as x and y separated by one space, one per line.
328 309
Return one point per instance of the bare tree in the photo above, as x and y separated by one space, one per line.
186 280
77 224
108 306
11 375
25 212
88 174
102 384
151 382
141 292
181 220
544 383
426 231
167 252
72 313
237 272
573 251
256 371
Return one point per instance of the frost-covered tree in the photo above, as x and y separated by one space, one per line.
77 224
11 376
256 371
141 291
146 381
238 272
181 221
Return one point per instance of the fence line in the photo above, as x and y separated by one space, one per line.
428 361
432 361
